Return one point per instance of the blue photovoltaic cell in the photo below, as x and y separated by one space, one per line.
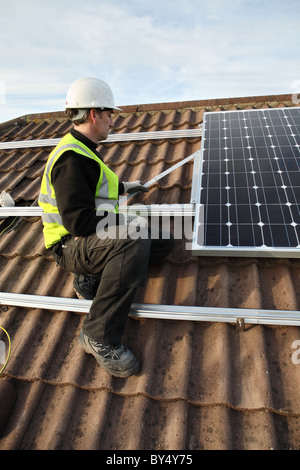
250 179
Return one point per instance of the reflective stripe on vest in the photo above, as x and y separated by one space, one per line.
106 194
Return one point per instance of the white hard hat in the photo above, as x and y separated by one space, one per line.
87 93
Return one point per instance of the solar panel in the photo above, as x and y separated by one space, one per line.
247 184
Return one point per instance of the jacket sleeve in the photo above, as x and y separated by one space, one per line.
74 179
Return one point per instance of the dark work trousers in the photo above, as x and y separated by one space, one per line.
121 263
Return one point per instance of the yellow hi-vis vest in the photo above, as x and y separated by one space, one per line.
106 194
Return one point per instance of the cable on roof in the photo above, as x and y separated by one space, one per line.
11 225
9 349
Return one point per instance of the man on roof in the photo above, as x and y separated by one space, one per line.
79 194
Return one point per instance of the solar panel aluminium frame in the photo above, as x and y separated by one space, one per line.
200 249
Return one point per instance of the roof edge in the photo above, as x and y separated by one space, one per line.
27 118
167 106
209 103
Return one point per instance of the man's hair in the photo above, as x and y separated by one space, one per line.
71 114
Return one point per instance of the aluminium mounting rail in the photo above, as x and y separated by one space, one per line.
171 210
163 312
195 155
126 137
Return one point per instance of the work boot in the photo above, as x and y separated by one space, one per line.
86 285
116 359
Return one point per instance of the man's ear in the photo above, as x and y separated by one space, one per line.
93 115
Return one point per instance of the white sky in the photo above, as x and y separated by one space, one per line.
148 51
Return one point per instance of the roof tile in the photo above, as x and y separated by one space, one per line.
203 385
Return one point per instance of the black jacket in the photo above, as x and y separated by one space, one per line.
74 179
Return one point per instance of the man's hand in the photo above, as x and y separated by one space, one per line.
134 187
